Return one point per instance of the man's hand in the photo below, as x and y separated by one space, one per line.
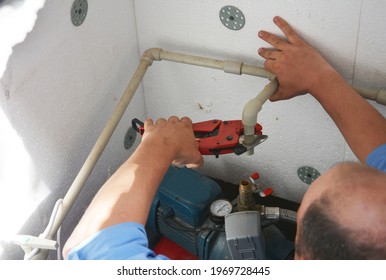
177 135
300 69
297 65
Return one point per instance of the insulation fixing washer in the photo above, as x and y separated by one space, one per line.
232 18
79 12
308 174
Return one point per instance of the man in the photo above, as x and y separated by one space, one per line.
342 214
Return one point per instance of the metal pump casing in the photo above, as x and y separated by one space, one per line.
180 212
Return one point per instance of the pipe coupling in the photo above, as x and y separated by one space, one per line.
233 67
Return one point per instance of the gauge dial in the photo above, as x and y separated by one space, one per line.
220 208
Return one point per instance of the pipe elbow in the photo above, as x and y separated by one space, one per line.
254 106
152 54
251 109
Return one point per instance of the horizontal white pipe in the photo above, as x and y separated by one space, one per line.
225 65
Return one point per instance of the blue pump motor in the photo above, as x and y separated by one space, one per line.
180 212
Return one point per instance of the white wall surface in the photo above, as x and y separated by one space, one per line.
60 87
348 33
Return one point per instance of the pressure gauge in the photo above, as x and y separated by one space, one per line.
219 209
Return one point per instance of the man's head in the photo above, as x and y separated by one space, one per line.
343 215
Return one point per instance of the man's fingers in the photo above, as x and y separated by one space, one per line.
160 120
173 119
280 94
284 94
186 120
148 123
276 96
273 40
197 164
269 54
276 41
271 65
289 33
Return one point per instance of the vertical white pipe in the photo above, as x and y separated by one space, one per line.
99 146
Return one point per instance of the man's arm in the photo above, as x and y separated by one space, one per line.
127 195
301 69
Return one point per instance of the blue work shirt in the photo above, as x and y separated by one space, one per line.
377 158
128 241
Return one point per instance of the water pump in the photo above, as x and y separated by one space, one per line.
191 210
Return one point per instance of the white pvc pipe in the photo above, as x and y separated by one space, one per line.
100 145
228 66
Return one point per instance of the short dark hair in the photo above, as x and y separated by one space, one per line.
321 237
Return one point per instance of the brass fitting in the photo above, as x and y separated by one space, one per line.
246 201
